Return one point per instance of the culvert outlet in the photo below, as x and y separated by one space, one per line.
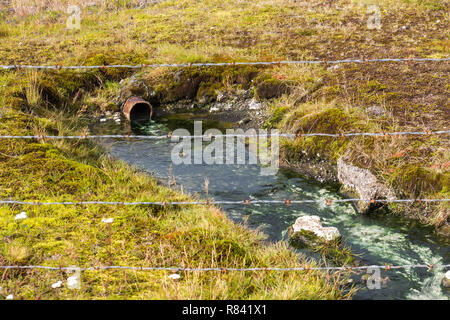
136 108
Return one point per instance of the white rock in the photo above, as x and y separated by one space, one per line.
102 120
108 220
20 216
313 224
174 276
9 297
57 285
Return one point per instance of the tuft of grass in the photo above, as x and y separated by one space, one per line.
33 91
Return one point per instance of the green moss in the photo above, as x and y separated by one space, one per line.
332 120
207 92
375 85
267 87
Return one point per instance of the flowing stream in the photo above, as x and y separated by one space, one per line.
376 239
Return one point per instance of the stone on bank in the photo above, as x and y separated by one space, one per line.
446 280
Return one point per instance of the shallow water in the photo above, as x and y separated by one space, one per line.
377 240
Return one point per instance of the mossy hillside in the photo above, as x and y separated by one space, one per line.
179 31
331 120
139 236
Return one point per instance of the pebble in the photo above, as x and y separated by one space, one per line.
174 276
21 216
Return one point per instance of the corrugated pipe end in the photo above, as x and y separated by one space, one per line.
136 108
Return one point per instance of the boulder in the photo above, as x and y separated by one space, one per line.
446 280
364 183
308 231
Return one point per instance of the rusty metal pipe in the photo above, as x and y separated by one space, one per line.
136 108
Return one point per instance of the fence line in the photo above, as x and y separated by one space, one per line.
212 202
211 64
386 267
283 135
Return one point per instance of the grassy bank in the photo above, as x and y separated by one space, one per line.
408 96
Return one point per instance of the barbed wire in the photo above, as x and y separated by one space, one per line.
386 267
212 202
283 135
218 64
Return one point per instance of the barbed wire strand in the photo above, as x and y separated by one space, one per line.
211 64
387 267
245 202
284 135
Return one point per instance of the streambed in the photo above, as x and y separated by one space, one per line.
376 239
